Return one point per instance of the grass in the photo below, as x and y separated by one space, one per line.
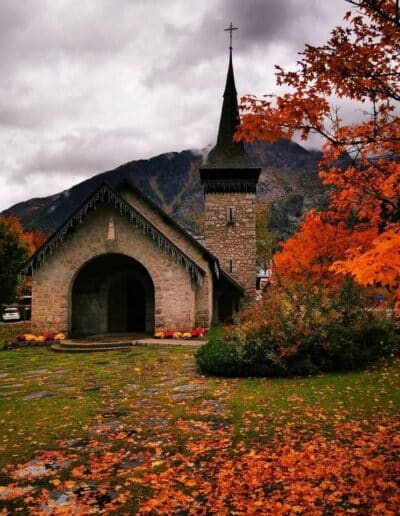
8 332
158 392
327 399
216 332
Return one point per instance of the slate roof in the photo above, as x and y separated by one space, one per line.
227 168
228 153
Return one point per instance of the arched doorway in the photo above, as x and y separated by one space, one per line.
112 293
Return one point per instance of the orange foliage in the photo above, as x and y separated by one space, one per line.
360 62
316 476
311 252
15 247
367 266
299 471
36 239
12 226
30 240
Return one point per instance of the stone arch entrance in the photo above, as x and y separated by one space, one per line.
112 293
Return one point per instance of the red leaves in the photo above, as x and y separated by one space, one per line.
31 241
13 491
308 255
379 264
360 63
241 446
292 476
353 469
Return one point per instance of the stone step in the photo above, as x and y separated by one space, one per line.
90 348
78 346
99 343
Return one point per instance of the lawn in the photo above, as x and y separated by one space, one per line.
141 431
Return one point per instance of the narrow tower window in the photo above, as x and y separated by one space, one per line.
230 266
230 216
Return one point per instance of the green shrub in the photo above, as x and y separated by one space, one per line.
219 357
302 336
354 347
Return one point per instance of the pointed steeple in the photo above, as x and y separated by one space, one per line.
227 168
228 153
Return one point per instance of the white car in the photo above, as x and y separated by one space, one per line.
11 314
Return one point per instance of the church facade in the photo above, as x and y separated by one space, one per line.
121 264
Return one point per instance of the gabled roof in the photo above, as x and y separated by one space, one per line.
106 194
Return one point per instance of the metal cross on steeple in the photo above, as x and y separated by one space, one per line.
230 29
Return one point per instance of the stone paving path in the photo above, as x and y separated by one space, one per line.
149 400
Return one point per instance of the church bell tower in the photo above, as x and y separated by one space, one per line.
230 184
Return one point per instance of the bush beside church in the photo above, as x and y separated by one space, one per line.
303 334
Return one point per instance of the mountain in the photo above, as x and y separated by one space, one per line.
288 181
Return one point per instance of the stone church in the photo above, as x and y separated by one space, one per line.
121 264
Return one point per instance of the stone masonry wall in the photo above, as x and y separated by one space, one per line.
233 241
204 296
174 290
174 234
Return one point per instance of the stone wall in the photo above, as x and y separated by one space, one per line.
230 233
178 300
173 233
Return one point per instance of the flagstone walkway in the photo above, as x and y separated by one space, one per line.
143 432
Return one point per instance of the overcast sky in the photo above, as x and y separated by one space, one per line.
88 85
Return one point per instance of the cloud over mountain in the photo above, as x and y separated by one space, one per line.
88 85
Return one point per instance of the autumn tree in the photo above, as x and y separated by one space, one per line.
14 250
15 247
35 239
309 254
359 62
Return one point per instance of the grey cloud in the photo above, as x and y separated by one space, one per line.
14 18
85 86
264 20
37 104
262 24
44 31
85 153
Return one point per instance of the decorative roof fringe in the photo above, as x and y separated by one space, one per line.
105 194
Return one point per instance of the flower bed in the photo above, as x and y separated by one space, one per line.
29 339
47 337
196 333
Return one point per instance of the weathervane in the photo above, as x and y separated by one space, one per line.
230 29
